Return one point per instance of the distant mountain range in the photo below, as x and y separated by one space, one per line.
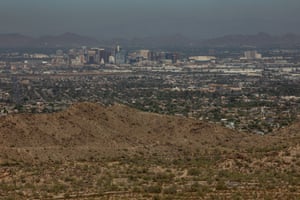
259 40
64 40
67 40
15 40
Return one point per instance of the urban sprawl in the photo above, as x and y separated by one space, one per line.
254 90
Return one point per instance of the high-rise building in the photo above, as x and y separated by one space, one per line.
111 60
104 55
172 56
91 57
121 57
144 53
250 55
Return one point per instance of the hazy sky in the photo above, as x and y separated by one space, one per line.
129 18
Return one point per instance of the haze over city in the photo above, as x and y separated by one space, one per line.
136 18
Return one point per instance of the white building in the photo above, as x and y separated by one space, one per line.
250 55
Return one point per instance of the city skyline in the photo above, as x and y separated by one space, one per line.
132 18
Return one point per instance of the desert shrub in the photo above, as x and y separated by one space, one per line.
194 172
163 177
58 187
153 189
221 185
156 197
170 190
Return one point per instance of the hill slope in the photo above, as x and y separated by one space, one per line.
110 130
93 152
115 130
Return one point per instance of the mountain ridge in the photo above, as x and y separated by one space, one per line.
114 130
16 40
259 40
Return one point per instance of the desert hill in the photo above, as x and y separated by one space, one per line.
108 131
116 130
91 151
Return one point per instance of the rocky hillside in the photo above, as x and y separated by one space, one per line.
117 130
94 152
108 131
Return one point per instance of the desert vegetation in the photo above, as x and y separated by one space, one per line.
95 152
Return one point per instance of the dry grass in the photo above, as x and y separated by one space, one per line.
95 152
